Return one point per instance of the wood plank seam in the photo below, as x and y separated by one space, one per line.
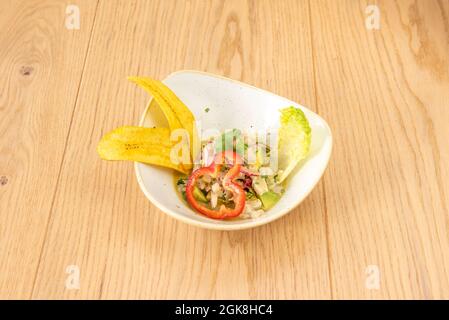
326 219
63 153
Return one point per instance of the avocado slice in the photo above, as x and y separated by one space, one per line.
269 199
199 195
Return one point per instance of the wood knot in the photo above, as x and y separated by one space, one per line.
3 180
26 70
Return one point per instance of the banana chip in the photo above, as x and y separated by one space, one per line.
153 145
147 145
176 112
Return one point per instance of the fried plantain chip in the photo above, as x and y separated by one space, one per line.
176 112
147 145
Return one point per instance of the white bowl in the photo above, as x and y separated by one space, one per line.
232 104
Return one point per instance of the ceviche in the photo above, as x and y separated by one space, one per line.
232 183
232 174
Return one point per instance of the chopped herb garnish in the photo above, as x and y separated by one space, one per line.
250 194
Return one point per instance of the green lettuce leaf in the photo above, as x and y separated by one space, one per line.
294 139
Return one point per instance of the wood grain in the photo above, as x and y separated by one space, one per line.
125 247
383 200
41 66
385 93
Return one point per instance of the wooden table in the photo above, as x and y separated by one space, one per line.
376 226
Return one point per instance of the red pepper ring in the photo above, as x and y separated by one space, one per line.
238 194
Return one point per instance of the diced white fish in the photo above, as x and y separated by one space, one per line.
215 187
254 204
259 185
213 199
266 171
